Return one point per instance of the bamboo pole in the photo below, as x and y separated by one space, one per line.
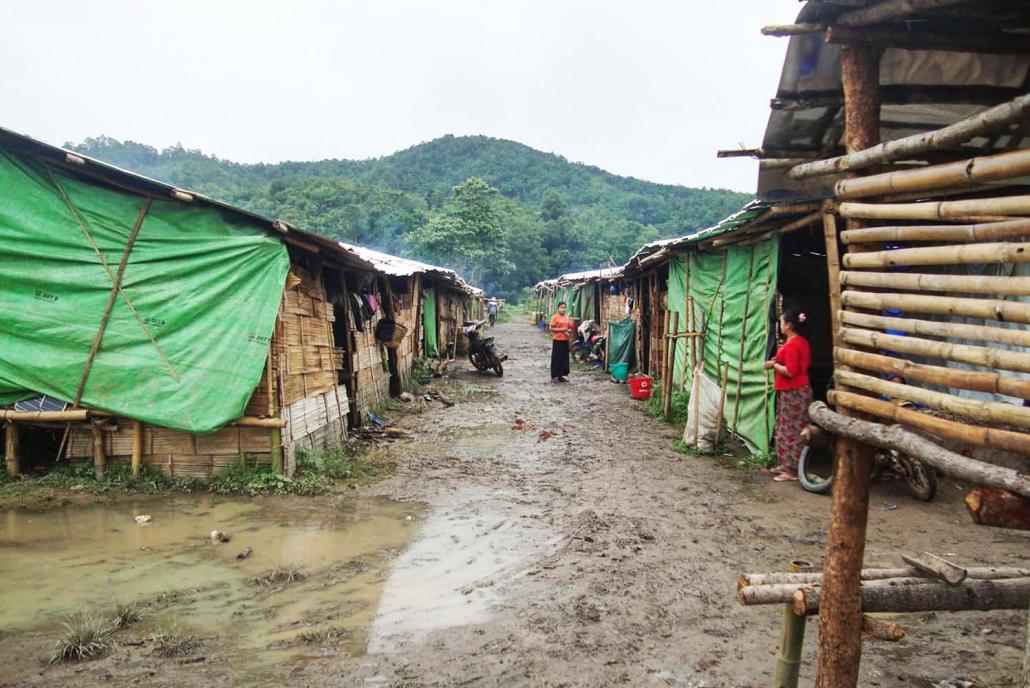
99 452
663 358
962 173
992 438
783 593
70 416
815 578
951 136
11 450
938 210
722 404
792 639
989 382
840 626
960 353
833 270
989 309
743 337
967 254
969 284
880 12
253 422
987 231
971 595
981 411
137 447
933 328
670 366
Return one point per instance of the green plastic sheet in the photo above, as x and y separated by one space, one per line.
587 302
621 338
732 291
429 321
204 285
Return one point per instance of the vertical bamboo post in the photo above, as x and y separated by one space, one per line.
137 446
670 365
11 448
788 662
275 438
663 361
722 403
99 453
743 337
840 613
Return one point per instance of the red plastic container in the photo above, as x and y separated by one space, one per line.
640 386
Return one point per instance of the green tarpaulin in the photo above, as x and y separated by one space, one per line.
587 301
204 287
732 291
429 321
621 338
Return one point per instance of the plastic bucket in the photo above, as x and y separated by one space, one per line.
640 386
620 371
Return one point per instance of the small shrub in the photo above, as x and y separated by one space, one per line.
321 635
128 613
678 406
280 576
83 636
173 642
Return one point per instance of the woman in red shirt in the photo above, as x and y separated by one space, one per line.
794 394
560 327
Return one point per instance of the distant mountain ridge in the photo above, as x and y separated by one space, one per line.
583 215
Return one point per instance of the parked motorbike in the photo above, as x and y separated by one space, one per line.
482 352
815 468
590 344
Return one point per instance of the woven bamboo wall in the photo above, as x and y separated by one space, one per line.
302 340
453 307
406 313
372 385
318 422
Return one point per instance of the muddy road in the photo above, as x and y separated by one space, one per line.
536 535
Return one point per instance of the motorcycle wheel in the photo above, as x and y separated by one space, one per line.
499 370
815 469
478 361
921 480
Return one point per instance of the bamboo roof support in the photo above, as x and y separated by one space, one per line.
949 137
978 381
960 353
989 231
889 10
979 435
963 173
969 284
931 38
1005 311
71 416
934 328
980 411
963 254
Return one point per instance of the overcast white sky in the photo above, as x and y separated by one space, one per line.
648 89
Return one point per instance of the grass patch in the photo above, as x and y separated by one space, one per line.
172 641
279 577
83 636
677 407
322 636
718 450
337 462
758 461
128 613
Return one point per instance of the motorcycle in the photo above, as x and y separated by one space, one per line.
482 352
590 344
815 468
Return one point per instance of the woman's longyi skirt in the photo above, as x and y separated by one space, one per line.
791 419
559 359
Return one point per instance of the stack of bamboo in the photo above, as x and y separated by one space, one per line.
908 290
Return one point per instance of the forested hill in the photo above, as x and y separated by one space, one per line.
547 216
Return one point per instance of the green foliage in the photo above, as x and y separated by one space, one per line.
677 407
250 479
83 636
758 461
334 462
128 613
549 216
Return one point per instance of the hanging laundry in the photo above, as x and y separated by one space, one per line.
356 305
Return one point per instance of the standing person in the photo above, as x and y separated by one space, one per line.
794 394
491 311
561 329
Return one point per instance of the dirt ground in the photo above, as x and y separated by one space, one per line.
567 543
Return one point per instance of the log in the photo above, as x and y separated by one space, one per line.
950 573
902 440
961 353
881 629
782 593
988 231
933 328
971 595
815 578
989 309
966 284
1001 508
937 210
962 254
992 383
992 438
962 173
951 136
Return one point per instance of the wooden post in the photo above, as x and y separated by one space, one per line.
840 620
788 663
11 448
670 364
99 453
137 446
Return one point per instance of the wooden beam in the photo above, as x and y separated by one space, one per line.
987 121
931 38
764 153
792 29
890 10
982 595
906 94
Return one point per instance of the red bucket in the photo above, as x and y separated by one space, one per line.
640 386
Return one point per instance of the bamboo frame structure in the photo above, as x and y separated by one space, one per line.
959 353
934 328
988 231
969 284
967 254
939 210
989 309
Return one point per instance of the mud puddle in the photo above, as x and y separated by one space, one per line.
60 562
